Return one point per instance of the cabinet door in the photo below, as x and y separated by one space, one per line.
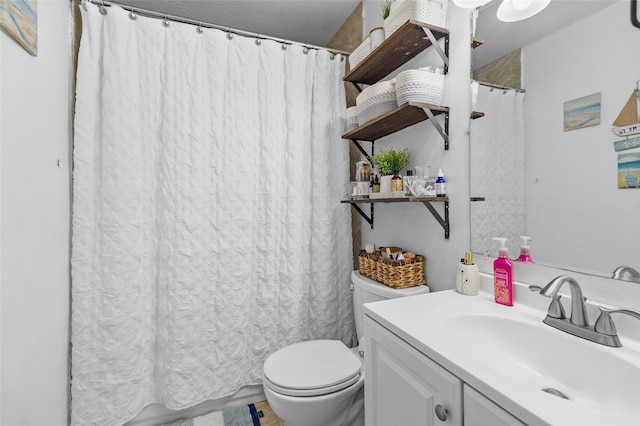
481 411
403 386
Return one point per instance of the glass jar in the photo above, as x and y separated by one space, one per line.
396 183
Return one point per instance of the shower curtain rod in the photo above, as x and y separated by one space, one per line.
153 14
495 86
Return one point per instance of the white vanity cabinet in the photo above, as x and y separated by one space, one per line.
404 387
481 411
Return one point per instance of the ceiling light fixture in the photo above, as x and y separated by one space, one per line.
517 10
470 4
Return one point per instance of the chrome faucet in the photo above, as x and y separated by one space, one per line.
626 273
578 308
603 331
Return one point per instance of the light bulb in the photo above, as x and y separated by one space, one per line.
517 10
470 4
521 4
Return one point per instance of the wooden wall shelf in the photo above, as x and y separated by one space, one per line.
399 48
401 117
397 200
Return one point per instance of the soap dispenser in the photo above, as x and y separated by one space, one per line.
503 275
525 250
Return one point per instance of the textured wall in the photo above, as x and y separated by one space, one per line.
348 37
505 71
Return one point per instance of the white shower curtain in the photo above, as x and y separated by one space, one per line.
207 225
497 170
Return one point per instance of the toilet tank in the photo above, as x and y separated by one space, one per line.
366 290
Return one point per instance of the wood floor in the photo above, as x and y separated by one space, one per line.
270 418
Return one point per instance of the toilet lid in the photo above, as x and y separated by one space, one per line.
311 367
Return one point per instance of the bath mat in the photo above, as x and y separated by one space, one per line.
258 414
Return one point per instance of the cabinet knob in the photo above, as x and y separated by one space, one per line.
441 413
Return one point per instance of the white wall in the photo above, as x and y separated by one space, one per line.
35 211
575 213
411 226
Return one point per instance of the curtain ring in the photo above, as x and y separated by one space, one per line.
199 29
258 41
229 34
284 45
103 9
165 22
305 50
333 56
84 5
132 15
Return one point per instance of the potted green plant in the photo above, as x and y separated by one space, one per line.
386 8
389 163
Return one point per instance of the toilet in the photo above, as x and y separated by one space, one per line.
320 382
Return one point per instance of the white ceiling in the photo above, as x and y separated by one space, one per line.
311 22
314 22
502 38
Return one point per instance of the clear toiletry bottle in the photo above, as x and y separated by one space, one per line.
503 275
441 185
525 250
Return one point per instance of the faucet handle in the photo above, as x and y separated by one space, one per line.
555 310
604 324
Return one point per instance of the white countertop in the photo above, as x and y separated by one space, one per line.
422 321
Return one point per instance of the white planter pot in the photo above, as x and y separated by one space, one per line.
376 37
385 183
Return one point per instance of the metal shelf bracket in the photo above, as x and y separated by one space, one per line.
443 222
361 149
434 42
443 132
369 218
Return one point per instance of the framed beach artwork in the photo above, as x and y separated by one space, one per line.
582 112
19 18
629 170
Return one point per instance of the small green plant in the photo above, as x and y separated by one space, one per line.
386 8
391 161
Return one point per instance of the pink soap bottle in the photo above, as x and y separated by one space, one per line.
525 250
503 275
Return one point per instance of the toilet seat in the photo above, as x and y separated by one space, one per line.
312 368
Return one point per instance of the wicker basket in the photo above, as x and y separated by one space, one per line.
359 53
433 12
394 273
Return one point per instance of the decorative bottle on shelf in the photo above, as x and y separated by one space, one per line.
376 184
441 185
371 182
396 182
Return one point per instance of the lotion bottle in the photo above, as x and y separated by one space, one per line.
503 275
441 185
525 250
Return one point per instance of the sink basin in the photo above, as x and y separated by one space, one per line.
540 357
540 374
